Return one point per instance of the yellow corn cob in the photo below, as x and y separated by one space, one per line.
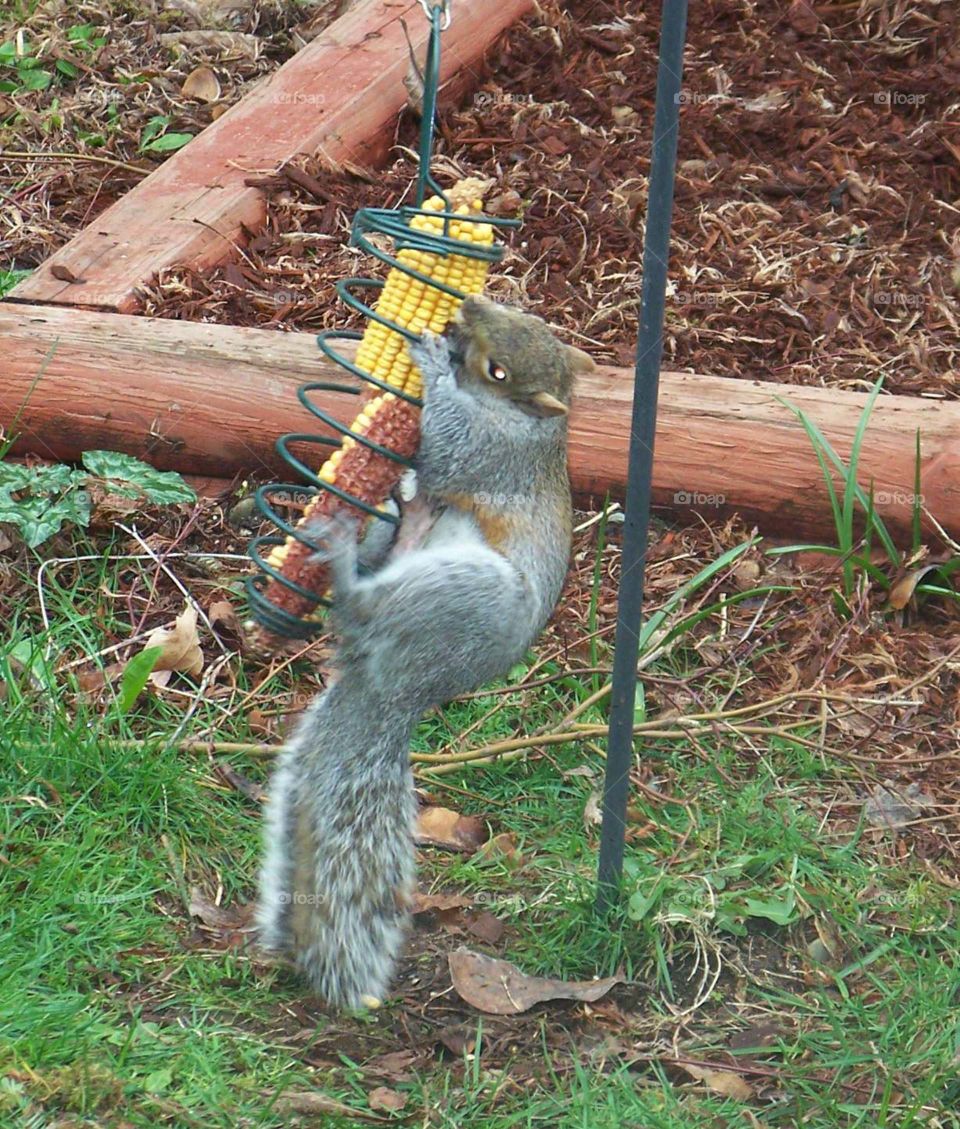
383 353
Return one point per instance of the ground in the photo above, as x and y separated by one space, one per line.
787 943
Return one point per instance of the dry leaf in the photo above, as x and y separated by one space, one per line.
485 926
218 917
246 787
223 617
385 1098
624 115
459 1039
500 988
592 811
902 592
181 646
202 85
239 43
503 847
313 1102
429 903
441 827
581 770
393 1064
723 1082
893 807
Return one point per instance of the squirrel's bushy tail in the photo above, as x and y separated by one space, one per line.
339 867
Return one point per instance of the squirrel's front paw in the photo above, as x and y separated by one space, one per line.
431 355
333 537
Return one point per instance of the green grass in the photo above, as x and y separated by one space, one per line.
115 1006
9 279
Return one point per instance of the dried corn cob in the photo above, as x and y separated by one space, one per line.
387 419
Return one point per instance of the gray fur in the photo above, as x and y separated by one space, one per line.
432 622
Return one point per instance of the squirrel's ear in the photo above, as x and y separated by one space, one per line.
544 404
580 361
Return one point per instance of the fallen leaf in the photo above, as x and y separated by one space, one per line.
500 988
218 917
624 115
592 811
502 846
902 592
442 827
485 926
772 99
723 1082
311 1101
580 770
385 1098
240 783
258 723
889 806
180 646
223 617
394 1064
202 85
459 1039
239 43
428 903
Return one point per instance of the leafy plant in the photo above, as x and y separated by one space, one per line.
38 500
24 69
855 551
27 70
10 278
132 478
663 628
155 139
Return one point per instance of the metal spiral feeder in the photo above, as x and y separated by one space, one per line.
394 223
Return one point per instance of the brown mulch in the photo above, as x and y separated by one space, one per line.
815 234
60 147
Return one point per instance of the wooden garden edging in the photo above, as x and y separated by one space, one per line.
339 96
211 400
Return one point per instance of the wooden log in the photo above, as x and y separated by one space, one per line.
211 400
338 96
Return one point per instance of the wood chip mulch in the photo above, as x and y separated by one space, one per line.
816 224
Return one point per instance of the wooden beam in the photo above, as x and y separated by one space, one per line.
211 400
338 96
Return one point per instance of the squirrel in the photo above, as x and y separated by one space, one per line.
450 606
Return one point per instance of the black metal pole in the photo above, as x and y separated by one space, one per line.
656 251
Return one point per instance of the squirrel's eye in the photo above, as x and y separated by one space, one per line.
496 372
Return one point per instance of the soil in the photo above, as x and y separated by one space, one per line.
815 233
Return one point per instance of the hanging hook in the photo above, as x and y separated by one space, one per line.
443 6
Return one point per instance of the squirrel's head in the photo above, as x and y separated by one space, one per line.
517 356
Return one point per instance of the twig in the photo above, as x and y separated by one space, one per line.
15 155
